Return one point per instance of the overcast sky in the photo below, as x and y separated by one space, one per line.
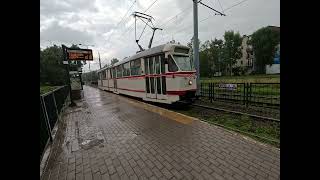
98 23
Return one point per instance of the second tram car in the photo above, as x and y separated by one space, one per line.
163 74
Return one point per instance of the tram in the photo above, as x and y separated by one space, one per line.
162 74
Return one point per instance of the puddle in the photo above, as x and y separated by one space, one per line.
87 144
95 141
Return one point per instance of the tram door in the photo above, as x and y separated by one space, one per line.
155 83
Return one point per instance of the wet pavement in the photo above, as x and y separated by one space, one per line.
106 137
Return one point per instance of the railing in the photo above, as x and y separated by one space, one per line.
51 105
248 94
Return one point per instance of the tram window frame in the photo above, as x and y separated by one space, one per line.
104 75
151 70
109 73
170 59
157 65
162 62
126 69
135 66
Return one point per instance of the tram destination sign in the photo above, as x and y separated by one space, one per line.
79 54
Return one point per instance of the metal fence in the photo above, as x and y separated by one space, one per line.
248 94
51 104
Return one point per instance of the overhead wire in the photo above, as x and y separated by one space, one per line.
224 10
131 25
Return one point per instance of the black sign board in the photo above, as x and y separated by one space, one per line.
79 54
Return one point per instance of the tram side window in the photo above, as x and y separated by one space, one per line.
119 71
126 69
136 67
172 65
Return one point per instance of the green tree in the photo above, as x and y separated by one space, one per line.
232 49
52 71
215 49
114 60
204 58
264 42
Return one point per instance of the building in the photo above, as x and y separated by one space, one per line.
275 67
245 63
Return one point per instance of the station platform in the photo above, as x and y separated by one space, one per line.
107 136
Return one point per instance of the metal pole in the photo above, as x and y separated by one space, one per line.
68 75
99 60
55 105
44 109
196 44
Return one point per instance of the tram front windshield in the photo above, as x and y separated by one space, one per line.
184 62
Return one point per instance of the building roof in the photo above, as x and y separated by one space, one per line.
275 28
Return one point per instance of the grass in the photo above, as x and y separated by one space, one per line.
269 131
45 89
245 79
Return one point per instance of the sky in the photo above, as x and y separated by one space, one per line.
107 26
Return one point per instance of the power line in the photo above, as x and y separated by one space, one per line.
130 26
173 17
228 8
150 6
221 6
235 5
121 20
127 12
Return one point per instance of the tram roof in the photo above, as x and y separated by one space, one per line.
147 52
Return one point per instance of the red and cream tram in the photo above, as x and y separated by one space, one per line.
163 74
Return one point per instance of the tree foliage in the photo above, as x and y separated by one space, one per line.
52 70
114 60
264 43
232 49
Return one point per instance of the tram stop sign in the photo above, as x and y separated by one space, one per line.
79 54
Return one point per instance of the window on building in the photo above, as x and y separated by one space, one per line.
136 67
126 69
119 71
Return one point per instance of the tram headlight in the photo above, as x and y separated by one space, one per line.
190 82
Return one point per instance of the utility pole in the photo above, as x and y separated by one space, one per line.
196 44
99 60
196 40
64 49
